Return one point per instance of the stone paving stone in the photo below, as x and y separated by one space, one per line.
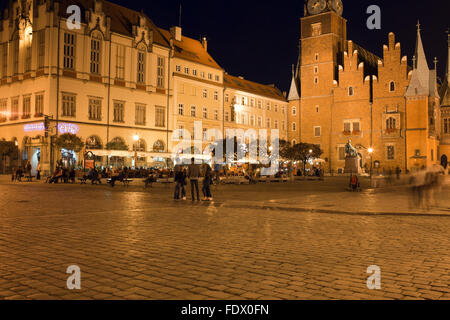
230 249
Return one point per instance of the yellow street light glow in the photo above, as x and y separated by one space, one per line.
136 138
370 150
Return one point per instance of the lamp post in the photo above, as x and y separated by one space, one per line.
371 162
16 143
136 138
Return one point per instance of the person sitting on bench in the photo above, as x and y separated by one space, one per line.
59 174
117 177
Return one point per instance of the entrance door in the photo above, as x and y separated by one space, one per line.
35 159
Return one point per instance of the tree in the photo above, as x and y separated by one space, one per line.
305 152
7 149
69 141
117 144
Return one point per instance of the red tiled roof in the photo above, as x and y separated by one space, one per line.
253 87
122 19
191 50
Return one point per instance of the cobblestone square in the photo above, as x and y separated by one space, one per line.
302 240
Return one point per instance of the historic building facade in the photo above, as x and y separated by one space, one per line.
341 92
117 80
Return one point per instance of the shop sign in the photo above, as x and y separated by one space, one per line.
68 128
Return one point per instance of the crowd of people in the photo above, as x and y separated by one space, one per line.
193 172
425 184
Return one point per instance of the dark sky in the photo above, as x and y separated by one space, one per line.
259 39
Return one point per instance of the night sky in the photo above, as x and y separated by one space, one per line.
259 39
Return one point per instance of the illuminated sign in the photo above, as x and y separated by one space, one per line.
68 128
34 127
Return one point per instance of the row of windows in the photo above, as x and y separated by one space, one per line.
96 59
197 73
15 52
390 153
252 102
95 111
15 113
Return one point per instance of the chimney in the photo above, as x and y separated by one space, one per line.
175 32
205 43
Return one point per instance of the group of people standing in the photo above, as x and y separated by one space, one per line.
193 172
18 173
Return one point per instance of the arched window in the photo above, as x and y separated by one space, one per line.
392 86
294 111
117 144
141 63
93 143
158 146
96 44
294 142
140 146
351 91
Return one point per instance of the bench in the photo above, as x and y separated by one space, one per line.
82 180
29 178
125 182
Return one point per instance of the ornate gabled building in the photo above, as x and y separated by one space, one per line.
341 92
124 86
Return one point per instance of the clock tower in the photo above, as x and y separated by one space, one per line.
322 45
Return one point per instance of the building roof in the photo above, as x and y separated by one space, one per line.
370 60
122 18
268 91
191 50
293 91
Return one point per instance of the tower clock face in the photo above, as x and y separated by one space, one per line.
316 6
337 6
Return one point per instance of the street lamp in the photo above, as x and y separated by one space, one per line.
371 161
136 138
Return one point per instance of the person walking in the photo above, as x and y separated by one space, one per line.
28 168
207 184
180 181
194 175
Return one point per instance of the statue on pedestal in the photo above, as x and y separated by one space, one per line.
351 159
350 151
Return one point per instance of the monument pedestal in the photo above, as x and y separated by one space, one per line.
352 165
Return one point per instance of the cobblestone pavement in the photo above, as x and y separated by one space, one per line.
251 243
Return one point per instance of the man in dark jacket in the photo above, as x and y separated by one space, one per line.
194 175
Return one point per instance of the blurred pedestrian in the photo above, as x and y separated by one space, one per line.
207 184
194 175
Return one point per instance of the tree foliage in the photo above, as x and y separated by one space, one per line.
117 144
69 141
7 148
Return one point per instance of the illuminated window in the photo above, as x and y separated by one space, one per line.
4 59
140 116
119 111
95 53
120 62
68 105
161 71
26 110
391 123
28 55
141 65
95 109
16 57
14 109
41 48
317 131
390 152
69 51
160 117
39 104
